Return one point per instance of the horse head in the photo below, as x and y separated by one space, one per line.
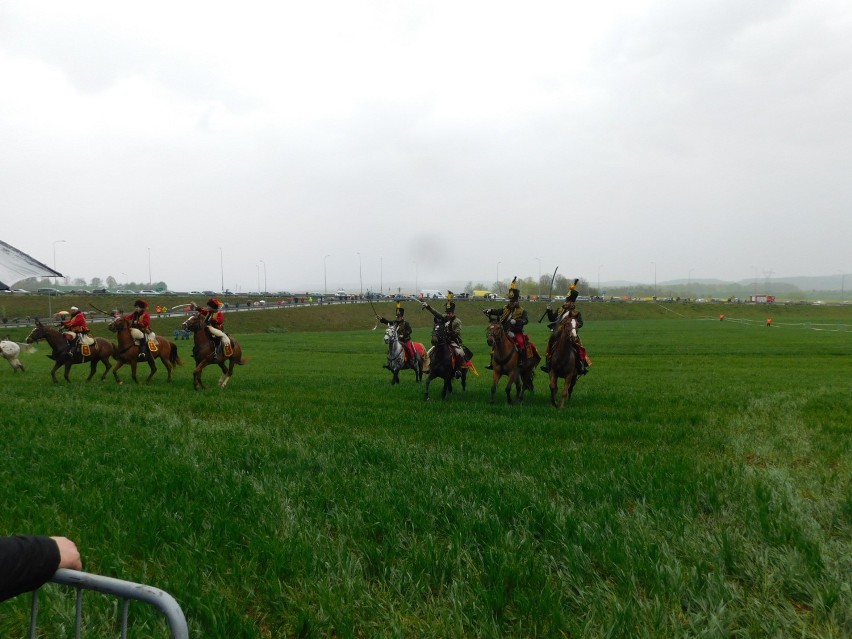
39 332
117 324
439 334
494 333
391 334
193 323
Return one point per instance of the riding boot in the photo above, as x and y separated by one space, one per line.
546 367
491 363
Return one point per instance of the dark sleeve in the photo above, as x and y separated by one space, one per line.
552 315
438 317
26 563
524 319
384 321
579 320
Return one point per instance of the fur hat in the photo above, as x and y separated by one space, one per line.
399 310
514 291
74 309
141 303
214 303
573 292
450 306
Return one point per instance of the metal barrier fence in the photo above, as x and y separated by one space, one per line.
127 591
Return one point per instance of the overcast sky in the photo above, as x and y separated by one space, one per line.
338 143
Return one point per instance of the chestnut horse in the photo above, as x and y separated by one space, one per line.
100 351
204 352
128 352
563 365
506 361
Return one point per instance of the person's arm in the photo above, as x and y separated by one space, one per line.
27 562
436 314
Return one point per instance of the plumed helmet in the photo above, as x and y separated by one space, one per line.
140 304
399 310
214 303
450 306
573 292
514 291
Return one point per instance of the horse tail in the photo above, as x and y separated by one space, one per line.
173 356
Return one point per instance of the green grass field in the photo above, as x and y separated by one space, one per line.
699 484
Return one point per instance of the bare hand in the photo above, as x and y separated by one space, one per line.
69 556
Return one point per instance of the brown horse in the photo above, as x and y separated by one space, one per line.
507 361
100 351
128 352
205 352
563 365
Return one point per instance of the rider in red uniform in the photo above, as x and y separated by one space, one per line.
140 326
215 320
75 327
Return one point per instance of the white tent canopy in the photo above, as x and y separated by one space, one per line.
16 266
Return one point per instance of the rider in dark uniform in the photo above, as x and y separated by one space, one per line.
403 331
513 317
454 327
561 320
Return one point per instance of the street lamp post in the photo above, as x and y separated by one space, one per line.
498 277
149 267
325 276
222 271
655 279
265 288
257 268
416 283
360 278
600 266
54 252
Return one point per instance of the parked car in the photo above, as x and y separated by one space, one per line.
148 292
49 291
79 291
124 291
17 290
101 291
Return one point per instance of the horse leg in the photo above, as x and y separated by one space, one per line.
153 369
429 379
118 364
55 368
495 378
196 376
553 388
68 372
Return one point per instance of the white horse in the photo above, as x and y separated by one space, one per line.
396 356
10 352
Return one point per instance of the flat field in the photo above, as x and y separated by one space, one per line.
699 484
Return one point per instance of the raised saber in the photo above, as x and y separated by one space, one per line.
549 294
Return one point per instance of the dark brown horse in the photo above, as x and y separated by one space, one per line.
100 351
441 363
128 352
563 365
205 352
507 361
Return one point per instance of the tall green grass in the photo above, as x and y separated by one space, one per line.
698 484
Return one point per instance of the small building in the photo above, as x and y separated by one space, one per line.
762 299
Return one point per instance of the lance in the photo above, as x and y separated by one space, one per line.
549 294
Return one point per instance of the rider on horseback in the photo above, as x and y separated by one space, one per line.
454 327
140 326
215 320
560 319
513 318
403 331
75 328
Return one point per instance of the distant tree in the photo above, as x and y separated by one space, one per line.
78 281
468 288
97 282
111 282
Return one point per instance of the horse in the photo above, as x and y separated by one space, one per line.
507 361
396 356
563 365
100 351
128 352
204 352
441 363
11 351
